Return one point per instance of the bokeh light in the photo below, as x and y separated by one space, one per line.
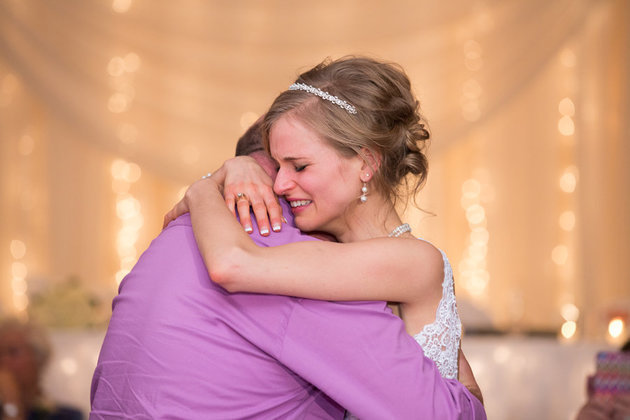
568 329
567 221
616 327
18 249
560 254
570 312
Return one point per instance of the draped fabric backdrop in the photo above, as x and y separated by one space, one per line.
108 109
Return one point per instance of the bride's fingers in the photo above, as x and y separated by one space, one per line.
230 201
178 209
274 210
168 217
242 207
260 211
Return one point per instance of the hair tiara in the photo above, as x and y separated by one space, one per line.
324 95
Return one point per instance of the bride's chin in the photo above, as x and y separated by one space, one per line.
304 225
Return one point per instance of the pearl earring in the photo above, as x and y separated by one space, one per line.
364 191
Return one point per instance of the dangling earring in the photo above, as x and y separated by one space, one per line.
364 191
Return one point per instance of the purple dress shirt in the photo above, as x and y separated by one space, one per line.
179 346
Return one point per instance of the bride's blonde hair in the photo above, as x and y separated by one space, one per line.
387 122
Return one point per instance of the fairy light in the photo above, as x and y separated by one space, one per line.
473 265
569 179
616 327
560 254
567 184
131 62
570 312
129 212
18 249
568 329
121 6
69 366
568 58
472 91
473 55
566 221
121 71
19 272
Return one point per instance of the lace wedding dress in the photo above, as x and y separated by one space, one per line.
440 339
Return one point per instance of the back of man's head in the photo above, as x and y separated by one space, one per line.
250 144
251 140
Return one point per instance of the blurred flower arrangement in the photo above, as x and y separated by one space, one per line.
68 304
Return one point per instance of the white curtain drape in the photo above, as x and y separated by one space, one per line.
109 108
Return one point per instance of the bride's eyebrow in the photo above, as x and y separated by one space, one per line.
289 159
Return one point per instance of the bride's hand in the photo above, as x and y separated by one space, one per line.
245 183
178 209
467 378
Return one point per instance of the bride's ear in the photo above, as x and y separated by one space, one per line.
371 161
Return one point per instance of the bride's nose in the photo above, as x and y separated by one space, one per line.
283 183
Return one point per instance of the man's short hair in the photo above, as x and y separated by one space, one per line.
251 140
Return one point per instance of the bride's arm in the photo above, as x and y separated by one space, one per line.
244 175
376 269
467 378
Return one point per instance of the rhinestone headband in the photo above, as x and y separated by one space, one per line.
324 95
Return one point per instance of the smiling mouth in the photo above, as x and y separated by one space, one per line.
299 203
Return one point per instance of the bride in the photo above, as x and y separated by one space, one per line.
347 138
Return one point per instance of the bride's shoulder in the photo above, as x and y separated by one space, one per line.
426 250
427 261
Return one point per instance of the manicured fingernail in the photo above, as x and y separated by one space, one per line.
276 227
284 220
248 229
264 231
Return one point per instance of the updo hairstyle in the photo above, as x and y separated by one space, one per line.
388 122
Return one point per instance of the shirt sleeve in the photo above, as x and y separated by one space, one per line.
361 356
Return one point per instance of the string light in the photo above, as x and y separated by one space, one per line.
560 254
473 266
128 211
19 271
121 70
121 6
124 174
566 221
568 329
567 183
570 312
568 58
131 62
470 100
616 327
18 249
566 127
566 107
69 366
473 55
